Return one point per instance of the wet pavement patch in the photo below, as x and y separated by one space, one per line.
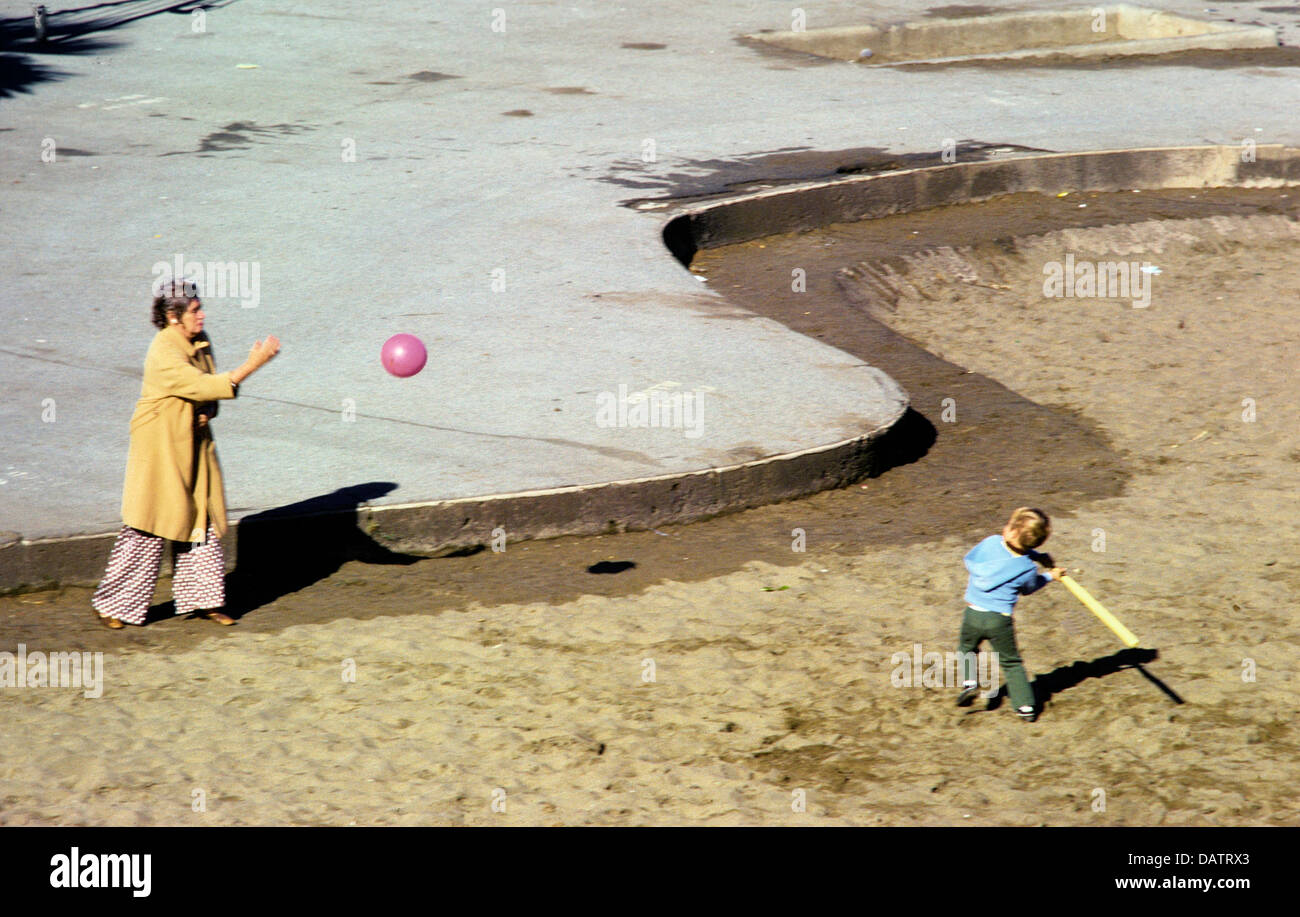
239 135
960 11
431 76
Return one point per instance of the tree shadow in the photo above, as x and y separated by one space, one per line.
18 72
66 32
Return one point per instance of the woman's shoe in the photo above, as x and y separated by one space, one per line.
224 620
110 623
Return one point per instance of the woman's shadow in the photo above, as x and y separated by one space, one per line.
288 548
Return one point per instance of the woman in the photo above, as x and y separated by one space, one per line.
173 488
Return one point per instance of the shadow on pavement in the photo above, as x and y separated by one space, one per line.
64 33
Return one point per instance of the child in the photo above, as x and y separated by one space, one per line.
1001 570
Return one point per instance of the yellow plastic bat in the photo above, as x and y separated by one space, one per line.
1100 611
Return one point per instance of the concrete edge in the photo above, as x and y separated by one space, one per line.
1248 38
641 503
1216 36
797 208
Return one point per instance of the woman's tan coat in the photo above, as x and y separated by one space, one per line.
173 482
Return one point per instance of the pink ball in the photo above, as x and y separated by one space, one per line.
403 355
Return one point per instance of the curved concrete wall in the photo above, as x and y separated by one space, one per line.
866 197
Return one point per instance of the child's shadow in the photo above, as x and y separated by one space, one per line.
1065 677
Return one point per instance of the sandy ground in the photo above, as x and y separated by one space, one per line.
725 678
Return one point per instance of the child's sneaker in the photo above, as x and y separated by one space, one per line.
967 695
1028 714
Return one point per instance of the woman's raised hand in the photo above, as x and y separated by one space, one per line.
260 354
263 351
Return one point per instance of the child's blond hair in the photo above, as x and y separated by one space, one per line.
1030 526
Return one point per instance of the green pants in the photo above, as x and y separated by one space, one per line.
999 630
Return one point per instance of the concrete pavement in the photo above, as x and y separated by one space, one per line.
459 172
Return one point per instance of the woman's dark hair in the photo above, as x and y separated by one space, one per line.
172 297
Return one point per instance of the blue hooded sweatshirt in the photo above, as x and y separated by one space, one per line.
998 577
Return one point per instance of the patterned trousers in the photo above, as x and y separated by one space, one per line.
198 576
